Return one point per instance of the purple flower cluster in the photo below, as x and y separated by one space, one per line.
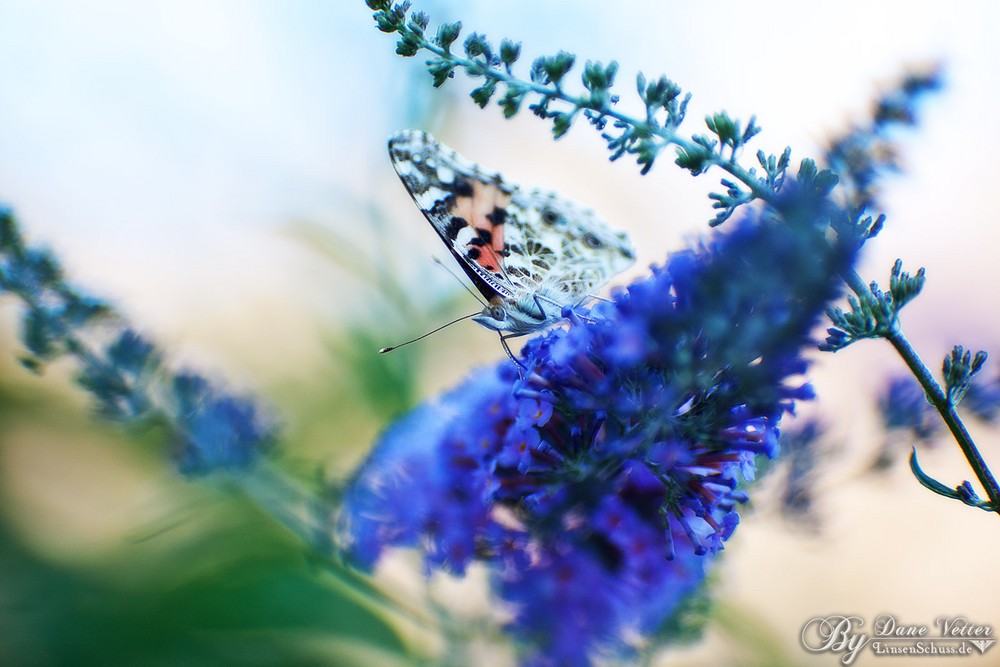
600 485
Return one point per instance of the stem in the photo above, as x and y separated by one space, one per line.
935 395
947 410
667 134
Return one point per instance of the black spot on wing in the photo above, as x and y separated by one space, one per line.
455 225
497 217
441 207
484 237
473 253
459 187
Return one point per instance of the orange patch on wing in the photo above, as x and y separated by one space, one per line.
485 200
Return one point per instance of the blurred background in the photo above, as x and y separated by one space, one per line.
217 169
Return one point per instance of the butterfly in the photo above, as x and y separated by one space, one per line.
529 253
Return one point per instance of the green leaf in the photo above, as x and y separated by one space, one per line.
509 52
511 101
963 493
598 78
724 127
926 480
441 70
392 18
561 124
826 180
476 45
385 23
408 45
482 95
418 22
902 286
447 34
696 159
556 66
807 170
958 369
661 93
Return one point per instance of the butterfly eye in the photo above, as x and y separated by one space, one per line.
593 242
498 313
550 217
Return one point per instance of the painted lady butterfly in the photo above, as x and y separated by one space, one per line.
528 252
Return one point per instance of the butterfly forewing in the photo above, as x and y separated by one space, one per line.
465 204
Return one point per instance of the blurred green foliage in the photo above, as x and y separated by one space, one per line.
222 585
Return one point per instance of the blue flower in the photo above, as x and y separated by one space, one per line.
215 430
122 369
600 485
425 485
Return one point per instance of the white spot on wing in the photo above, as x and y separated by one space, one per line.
465 236
445 175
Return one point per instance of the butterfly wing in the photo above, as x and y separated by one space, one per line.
560 249
465 204
529 252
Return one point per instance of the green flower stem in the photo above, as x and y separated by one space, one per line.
935 395
947 410
668 135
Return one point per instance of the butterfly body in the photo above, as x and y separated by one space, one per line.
528 252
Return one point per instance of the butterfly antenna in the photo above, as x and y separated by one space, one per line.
414 340
460 281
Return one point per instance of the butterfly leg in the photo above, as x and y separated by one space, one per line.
510 355
538 303
566 311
